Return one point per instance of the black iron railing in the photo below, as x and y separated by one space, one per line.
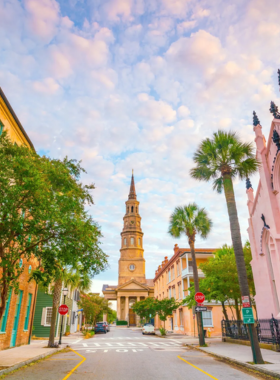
268 330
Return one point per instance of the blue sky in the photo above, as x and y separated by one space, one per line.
123 84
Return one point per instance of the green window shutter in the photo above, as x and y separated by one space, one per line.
27 311
6 313
1 127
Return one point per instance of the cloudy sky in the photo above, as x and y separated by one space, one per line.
123 84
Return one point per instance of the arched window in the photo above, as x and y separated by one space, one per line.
139 241
124 241
131 208
132 241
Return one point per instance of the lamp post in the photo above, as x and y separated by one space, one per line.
64 292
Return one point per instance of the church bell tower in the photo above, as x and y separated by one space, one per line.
132 262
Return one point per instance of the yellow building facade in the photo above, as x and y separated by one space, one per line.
16 323
132 283
10 123
173 279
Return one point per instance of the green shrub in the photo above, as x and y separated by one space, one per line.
162 331
121 323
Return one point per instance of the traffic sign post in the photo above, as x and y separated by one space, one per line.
246 301
248 316
63 309
200 309
200 298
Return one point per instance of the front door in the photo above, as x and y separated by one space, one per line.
16 319
132 318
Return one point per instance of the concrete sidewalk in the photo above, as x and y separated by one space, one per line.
235 353
17 357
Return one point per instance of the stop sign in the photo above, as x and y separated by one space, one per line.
199 297
63 309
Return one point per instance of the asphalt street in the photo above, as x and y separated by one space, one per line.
125 354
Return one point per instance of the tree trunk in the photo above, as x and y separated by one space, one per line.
56 301
237 310
4 296
239 255
196 287
224 311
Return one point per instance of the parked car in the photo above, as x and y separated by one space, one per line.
148 328
100 327
107 326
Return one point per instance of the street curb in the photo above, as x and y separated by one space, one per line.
22 364
236 362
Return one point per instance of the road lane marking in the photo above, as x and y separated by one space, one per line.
212 377
77 341
85 344
105 350
78 365
121 350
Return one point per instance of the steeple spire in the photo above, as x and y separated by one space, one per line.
132 192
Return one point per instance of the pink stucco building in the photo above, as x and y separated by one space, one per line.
264 221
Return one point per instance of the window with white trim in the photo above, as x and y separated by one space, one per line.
170 295
48 316
169 276
207 318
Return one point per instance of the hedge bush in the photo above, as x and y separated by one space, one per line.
121 323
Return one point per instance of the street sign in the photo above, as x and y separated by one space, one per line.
199 297
248 316
246 301
63 309
200 308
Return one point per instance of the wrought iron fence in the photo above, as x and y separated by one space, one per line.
268 330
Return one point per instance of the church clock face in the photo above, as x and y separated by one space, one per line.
132 267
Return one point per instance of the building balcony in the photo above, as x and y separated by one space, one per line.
188 272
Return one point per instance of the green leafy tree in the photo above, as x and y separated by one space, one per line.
191 220
165 307
221 280
146 308
43 215
111 315
91 309
99 304
221 159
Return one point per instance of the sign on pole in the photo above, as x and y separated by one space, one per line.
248 316
63 309
246 301
200 308
199 297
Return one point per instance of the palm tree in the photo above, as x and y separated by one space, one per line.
221 159
75 279
191 220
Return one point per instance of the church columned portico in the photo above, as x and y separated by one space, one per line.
132 284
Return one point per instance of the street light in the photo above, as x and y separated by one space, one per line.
64 292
